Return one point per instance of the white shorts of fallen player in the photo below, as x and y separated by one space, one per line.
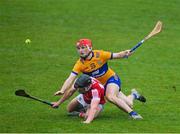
80 99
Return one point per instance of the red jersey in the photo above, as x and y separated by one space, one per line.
96 92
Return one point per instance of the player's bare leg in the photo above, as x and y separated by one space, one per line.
112 91
128 99
74 108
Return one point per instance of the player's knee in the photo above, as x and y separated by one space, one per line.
110 98
69 109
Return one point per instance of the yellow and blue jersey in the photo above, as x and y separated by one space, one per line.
96 67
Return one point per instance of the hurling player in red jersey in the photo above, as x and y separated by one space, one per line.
89 103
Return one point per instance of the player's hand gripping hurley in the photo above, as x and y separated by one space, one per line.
157 29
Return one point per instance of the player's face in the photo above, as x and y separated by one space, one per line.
83 51
84 90
81 90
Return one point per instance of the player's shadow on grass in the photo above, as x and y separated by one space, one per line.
113 115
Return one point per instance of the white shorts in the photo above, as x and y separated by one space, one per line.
80 99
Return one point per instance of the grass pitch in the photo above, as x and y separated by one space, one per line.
42 66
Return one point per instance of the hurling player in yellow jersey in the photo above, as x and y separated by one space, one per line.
94 63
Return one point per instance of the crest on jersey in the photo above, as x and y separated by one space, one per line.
97 54
99 62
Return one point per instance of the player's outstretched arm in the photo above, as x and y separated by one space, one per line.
92 111
66 96
67 84
121 54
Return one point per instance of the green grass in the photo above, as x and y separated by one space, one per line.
42 66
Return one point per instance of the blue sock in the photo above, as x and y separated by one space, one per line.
135 96
133 113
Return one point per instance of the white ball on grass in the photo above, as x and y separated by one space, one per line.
27 41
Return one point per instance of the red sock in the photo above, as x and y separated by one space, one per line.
81 114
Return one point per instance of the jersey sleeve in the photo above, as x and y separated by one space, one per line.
105 55
95 94
77 68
